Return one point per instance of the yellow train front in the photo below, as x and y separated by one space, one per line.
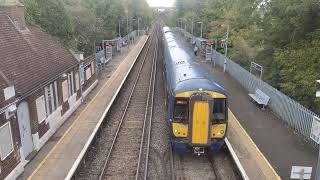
197 106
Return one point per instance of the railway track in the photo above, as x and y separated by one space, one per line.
125 155
114 153
132 141
142 167
204 167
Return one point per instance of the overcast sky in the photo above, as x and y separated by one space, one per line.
160 3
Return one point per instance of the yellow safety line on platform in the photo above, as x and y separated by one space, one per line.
255 146
73 123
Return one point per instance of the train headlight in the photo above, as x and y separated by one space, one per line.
220 132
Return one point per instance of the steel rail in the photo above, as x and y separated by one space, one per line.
214 167
125 110
152 84
173 177
151 113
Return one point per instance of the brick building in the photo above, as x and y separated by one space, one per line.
41 84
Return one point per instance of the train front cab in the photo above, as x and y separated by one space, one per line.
198 122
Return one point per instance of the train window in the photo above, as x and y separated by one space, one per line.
181 109
219 110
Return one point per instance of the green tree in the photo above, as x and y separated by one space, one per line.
80 23
281 35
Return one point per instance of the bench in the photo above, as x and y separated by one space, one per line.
260 97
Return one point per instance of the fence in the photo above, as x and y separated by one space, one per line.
296 115
101 60
290 111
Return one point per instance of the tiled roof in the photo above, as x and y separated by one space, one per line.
10 2
31 57
4 82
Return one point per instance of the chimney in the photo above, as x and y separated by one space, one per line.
77 54
15 10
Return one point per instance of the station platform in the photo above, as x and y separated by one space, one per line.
249 159
62 160
280 145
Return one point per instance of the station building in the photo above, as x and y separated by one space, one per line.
41 84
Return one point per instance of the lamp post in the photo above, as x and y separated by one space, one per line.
192 26
185 26
138 27
127 25
227 40
226 51
200 28
318 164
180 21
138 24
192 30
119 28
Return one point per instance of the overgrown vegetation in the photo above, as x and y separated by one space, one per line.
80 23
282 35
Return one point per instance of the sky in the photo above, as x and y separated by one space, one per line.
160 3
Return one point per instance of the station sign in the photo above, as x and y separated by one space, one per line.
315 130
256 69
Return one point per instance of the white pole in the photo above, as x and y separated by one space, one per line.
192 27
201 29
119 28
185 26
192 31
227 41
226 53
318 164
127 25
138 27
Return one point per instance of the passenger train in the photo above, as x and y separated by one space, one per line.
197 106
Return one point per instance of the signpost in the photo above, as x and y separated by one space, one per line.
209 50
318 88
301 172
258 69
315 130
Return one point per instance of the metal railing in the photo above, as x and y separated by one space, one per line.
297 116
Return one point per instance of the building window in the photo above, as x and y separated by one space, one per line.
41 109
65 90
6 142
76 77
88 71
50 98
55 85
92 66
71 84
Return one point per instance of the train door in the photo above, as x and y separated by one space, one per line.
200 108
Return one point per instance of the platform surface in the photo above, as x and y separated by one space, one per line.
64 154
255 165
279 143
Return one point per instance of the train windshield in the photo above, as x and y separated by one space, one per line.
219 110
181 109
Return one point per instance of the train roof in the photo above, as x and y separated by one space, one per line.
184 73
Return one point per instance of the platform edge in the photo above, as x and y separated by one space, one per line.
236 160
87 145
